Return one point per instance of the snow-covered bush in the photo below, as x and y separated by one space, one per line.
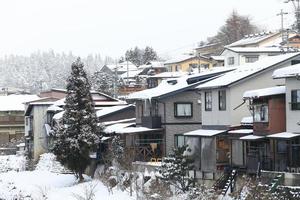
174 169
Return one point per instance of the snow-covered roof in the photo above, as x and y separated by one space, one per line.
54 108
113 102
252 137
170 74
117 128
253 39
241 131
131 74
58 116
180 58
15 102
112 109
284 135
247 70
247 120
126 128
253 94
122 67
255 49
218 58
176 84
129 120
204 133
166 86
290 71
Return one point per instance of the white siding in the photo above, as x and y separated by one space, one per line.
292 116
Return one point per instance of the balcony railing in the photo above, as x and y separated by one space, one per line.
295 105
151 121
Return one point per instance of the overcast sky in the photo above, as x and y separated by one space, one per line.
110 27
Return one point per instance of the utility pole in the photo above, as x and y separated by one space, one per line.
282 30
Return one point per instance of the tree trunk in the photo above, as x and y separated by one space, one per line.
81 179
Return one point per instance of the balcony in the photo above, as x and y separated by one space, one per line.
151 121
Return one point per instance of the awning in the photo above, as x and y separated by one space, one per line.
252 137
137 130
116 128
283 135
204 133
104 138
241 131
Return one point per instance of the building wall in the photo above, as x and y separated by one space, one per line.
277 117
228 54
126 114
184 66
216 117
11 126
292 116
179 125
39 133
234 98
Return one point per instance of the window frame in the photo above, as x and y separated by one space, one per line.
176 140
249 59
183 116
208 108
295 102
265 115
230 60
224 99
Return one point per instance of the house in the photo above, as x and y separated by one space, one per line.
172 108
222 98
39 116
292 99
266 147
209 50
235 56
188 63
223 109
12 118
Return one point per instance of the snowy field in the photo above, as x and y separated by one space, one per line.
46 182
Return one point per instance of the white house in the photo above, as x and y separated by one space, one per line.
291 75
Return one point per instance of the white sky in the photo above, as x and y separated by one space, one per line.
110 27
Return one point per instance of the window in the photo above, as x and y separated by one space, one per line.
261 113
208 101
230 61
281 146
183 109
251 59
177 68
179 141
295 104
222 100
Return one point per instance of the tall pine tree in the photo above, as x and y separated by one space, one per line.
79 134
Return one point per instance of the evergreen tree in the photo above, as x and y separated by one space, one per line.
149 55
79 134
106 83
175 168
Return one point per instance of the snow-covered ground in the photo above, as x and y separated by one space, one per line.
12 163
46 182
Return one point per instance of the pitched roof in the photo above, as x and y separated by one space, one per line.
247 70
253 39
253 94
256 49
15 102
176 85
291 71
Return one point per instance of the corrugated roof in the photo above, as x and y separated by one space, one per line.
247 70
